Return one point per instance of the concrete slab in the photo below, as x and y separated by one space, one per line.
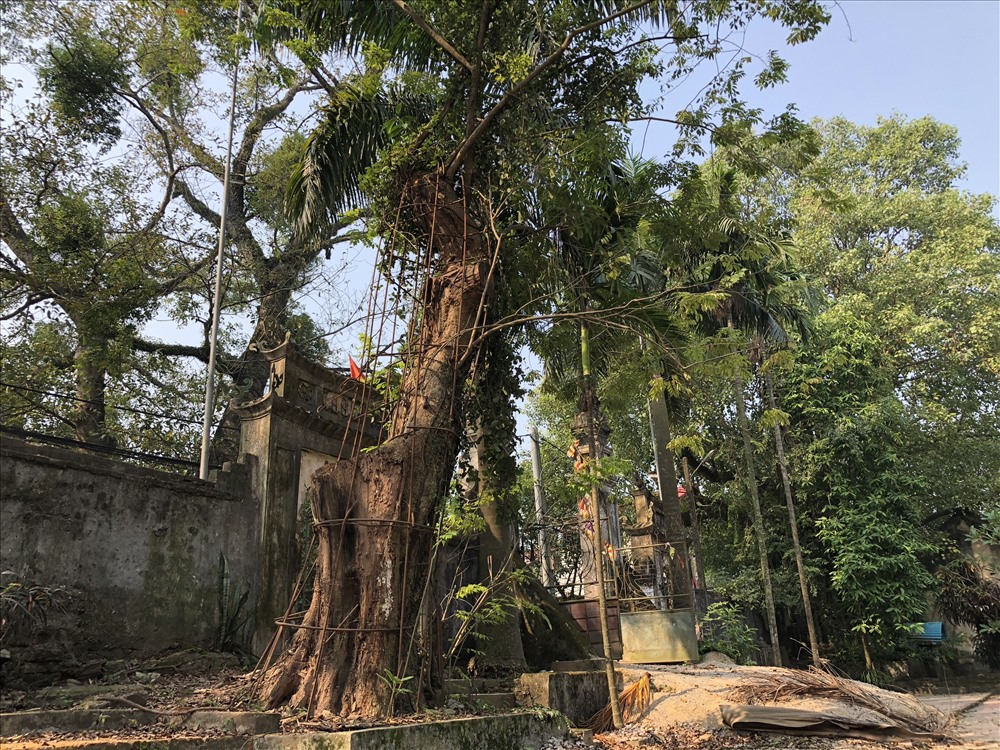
513 731
579 665
494 700
501 732
26 722
230 722
579 695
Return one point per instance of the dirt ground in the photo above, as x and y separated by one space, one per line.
684 713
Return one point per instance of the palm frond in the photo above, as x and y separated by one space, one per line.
344 26
634 702
356 126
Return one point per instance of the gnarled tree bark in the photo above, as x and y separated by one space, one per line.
373 512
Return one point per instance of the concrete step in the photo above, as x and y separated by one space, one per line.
494 700
578 695
26 722
467 685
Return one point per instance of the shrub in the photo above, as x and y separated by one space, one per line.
724 630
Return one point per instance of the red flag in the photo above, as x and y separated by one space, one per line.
355 370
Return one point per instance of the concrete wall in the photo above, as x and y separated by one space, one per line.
138 549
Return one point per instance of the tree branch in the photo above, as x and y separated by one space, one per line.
171 171
237 230
466 147
225 364
47 411
13 233
433 34
172 284
252 133
30 301
182 189
485 16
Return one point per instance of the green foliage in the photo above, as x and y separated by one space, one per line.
397 685
725 630
24 606
883 224
494 601
890 404
135 226
76 254
852 470
81 74
969 595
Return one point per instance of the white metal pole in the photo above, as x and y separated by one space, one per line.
536 471
206 427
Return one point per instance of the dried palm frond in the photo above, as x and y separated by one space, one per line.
634 701
773 687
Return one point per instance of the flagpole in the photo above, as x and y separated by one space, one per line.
206 427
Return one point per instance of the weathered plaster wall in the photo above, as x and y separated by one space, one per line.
137 549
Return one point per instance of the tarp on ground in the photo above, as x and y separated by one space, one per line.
800 721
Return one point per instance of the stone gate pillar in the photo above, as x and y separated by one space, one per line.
309 416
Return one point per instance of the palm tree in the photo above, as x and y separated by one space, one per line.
597 283
763 299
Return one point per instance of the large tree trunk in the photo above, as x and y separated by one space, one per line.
697 557
499 642
374 512
503 652
673 518
90 413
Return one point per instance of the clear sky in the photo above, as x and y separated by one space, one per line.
879 57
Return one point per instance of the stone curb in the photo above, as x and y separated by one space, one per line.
23 722
500 732
81 720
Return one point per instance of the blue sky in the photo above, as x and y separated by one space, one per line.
879 57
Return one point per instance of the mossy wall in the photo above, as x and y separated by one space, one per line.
137 550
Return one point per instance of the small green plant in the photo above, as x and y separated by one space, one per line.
24 607
724 630
230 633
486 604
397 686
